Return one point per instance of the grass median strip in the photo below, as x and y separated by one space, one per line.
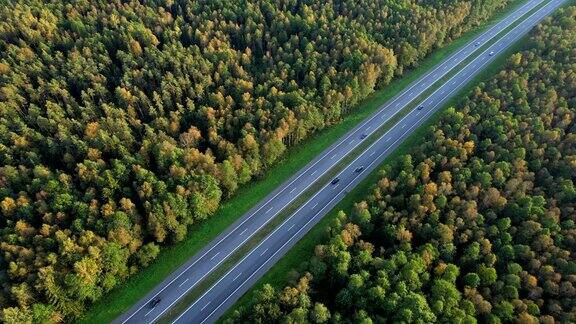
303 250
171 257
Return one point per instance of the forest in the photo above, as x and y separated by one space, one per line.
124 122
476 224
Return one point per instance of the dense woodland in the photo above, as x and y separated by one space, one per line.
123 122
478 223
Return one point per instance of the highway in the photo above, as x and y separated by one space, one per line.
243 274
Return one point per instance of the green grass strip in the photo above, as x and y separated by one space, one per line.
138 285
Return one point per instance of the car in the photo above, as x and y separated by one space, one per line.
491 53
477 44
335 181
420 107
155 302
359 169
363 136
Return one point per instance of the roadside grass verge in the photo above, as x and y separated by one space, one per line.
277 276
138 285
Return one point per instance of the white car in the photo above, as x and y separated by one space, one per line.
491 53
477 44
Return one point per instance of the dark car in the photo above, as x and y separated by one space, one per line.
336 180
359 169
477 44
363 136
155 302
420 107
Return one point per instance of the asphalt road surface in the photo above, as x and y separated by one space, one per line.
220 296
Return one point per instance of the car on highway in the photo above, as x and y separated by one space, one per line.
335 181
477 44
359 169
363 136
491 53
155 302
420 107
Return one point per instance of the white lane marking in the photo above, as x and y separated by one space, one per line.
368 128
403 125
417 112
336 186
388 139
208 303
420 80
333 156
293 189
291 227
215 255
150 311
411 93
183 282
238 275
316 204
373 152
352 141
313 172
244 231
269 209
264 252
